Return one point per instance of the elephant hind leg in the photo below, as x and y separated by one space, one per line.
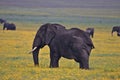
83 60
84 64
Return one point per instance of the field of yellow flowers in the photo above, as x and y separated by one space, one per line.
17 64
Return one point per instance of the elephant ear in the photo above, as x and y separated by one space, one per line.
51 31
50 34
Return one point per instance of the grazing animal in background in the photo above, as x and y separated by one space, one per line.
90 32
7 26
116 29
68 43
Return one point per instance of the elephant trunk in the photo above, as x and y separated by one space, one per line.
35 57
112 32
4 27
35 49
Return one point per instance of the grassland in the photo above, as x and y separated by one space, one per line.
17 64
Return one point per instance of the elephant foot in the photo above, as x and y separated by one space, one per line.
36 65
84 68
53 66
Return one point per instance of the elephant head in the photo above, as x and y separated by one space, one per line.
118 34
116 29
90 31
44 36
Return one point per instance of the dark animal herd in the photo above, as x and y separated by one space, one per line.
90 31
71 43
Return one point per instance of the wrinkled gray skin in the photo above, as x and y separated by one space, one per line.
116 29
68 43
90 32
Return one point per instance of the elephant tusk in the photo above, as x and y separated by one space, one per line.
32 50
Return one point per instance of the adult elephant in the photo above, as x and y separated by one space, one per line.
116 29
7 26
68 43
90 32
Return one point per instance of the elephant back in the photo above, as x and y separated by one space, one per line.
80 33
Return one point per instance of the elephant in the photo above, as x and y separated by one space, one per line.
90 31
116 29
7 26
71 43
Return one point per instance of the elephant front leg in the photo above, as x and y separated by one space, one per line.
54 61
